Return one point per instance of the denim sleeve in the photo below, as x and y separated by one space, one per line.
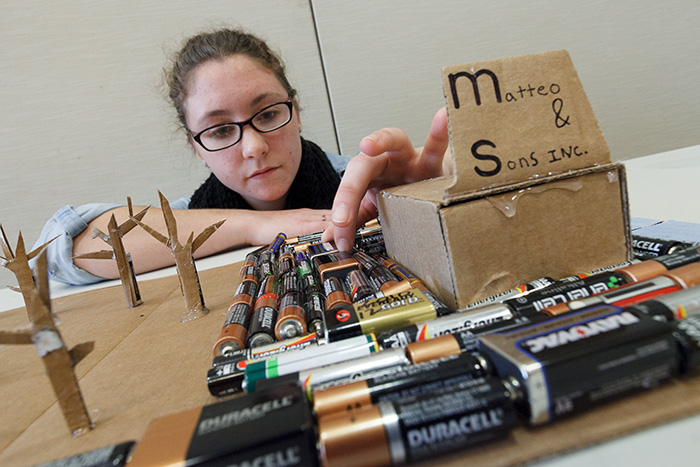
65 224
339 163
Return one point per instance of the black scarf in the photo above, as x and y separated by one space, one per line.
313 187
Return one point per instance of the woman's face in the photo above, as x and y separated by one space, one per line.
260 167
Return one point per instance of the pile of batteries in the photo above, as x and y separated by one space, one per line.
394 376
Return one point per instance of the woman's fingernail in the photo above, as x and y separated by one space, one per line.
342 244
341 214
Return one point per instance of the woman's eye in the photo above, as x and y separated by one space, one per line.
225 131
268 115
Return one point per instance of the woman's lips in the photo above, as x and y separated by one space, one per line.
262 172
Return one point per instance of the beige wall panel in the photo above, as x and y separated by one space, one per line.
83 116
638 61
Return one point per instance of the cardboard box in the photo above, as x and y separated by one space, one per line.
533 193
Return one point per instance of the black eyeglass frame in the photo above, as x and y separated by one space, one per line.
241 125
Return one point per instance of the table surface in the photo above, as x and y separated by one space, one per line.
661 186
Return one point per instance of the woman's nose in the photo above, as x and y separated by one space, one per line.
253 143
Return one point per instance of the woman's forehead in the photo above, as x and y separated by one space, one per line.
237 84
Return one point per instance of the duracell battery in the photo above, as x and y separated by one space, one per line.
647 247
371 243
377 315
262 323
337 373
404 381
402 273
579 360
315 307
477 318
290 282
291 318
267 264
227 372
336 265
250 273
108 456
359 285
335 293
246 292
273 427
286 260
419 428
235 331
674 280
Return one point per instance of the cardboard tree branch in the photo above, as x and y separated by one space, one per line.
58 360
119 254
18 263
184 259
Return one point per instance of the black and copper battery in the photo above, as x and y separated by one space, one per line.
420 428
291 319
262 325
404 381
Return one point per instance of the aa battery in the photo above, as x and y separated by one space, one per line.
277 243
290 282
576 361
335 293
462 341
483 316
565 291
267 264
227 373
291 319
418 429
360 288
262 325
246 292
648 248
108 456
378 315
355 369
677 305
233 334
672 281
312 357
371 243
286 261
518 291
250 273
315 307
404 381
402 273
251 259
687 335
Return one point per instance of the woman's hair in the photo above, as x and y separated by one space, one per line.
218 45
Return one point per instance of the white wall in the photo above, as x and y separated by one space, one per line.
83 119
637 60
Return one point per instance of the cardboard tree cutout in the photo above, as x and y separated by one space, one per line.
184 259
58 360
119 254
18 263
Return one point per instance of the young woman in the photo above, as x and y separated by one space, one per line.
241 116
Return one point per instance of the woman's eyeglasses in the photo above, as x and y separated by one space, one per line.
225 135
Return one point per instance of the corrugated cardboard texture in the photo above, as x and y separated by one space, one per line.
484 245
518 118
146 364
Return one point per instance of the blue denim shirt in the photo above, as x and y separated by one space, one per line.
69 221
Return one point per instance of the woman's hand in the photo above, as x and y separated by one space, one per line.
387 159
